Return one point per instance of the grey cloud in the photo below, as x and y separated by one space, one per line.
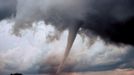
107 18
7 8
113 16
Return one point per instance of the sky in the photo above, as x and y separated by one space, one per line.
33 37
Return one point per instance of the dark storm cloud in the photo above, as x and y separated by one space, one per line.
7 8
111 19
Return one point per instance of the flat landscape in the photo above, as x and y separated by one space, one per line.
116 72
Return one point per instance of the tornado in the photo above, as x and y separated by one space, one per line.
71 38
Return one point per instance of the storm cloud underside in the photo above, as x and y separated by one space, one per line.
110 19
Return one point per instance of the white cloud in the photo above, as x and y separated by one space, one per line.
33 49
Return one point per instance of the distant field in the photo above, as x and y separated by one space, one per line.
117 72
